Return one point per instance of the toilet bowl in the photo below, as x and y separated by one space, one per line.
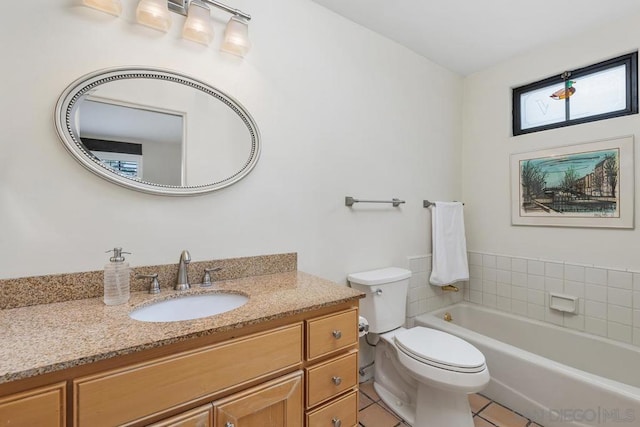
422 374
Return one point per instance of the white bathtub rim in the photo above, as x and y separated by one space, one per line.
621 389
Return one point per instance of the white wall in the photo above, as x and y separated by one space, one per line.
341 111
487 145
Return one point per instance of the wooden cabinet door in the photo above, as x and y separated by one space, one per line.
42 407
199 417
276 403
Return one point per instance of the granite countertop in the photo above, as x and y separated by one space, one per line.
50 337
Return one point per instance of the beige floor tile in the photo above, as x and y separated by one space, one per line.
477 402
364 401
367 388
481 422
502 417
376 416
534 425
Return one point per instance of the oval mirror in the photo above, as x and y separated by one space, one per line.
157 131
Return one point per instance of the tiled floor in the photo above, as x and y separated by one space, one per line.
374 413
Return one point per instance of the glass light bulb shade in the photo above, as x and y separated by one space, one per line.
114 7
236 37
154 14
197 27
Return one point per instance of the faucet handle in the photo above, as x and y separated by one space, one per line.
206 280
155 285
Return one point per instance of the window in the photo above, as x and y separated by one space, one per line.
597 92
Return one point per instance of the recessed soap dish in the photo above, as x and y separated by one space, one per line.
565 303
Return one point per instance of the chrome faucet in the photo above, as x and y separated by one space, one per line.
183 273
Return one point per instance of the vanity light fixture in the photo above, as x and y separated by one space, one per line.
113 7
236 37
154 14
197 27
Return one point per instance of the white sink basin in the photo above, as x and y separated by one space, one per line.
188 307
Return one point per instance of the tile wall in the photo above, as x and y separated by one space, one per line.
423 297
608 298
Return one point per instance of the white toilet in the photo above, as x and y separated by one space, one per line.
423 374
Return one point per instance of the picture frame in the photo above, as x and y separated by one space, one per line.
583 185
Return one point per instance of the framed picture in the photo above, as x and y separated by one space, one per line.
583 185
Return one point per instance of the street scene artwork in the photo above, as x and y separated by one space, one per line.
580 185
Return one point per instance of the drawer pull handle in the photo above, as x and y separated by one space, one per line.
229 424
336 380
336 422
337 334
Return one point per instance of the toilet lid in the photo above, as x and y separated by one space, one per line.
440 349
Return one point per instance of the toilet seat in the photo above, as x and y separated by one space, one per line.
440 349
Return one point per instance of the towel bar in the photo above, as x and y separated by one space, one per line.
428 204
349 201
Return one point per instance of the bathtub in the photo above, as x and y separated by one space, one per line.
552 375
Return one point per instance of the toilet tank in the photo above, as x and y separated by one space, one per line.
385 303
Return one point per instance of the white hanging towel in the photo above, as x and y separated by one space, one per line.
449 251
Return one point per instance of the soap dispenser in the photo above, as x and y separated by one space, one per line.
116 279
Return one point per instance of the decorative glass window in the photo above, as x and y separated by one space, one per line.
597 92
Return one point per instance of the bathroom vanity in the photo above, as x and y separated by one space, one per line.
286 358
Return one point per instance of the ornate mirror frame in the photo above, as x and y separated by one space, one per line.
85 84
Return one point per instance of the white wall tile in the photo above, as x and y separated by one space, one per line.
596 276
636 336
535 282
489 274
535 297
535 267
503 263
475 284
518 293
519 279
595 309
574 321
418 280
619 332
489 287
503 276
620 279
618 314
489 300
503 290
475 271
418 264
576 289
504 304
574 272
621 297
636 318
489 261
519 307
554 269
475 296
553 285
519 265
535 311
475 258
595 326
636 281
595 292
636 300
554 316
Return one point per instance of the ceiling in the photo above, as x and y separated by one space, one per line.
466 36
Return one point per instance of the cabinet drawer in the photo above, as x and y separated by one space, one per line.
331 333
331 378
199 417
343 412
123 395
42 407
